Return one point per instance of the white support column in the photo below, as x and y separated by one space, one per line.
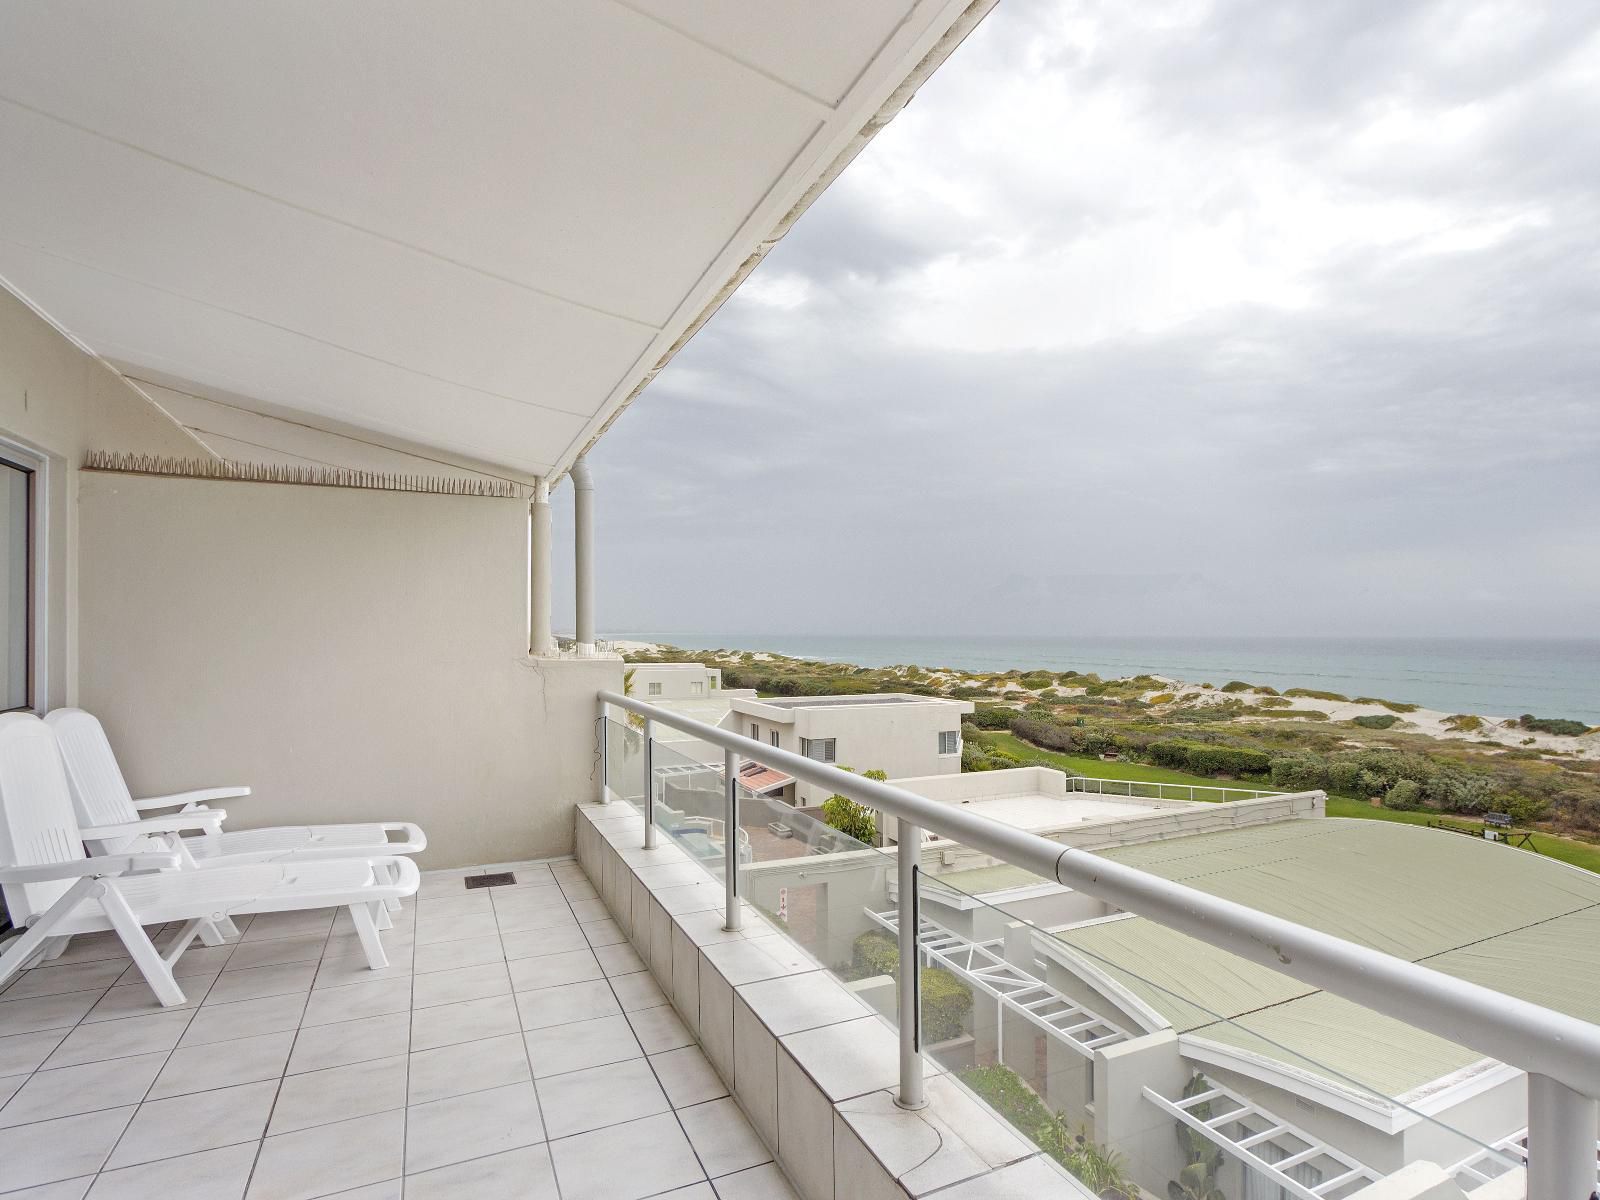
1561 1136
583 553
540 639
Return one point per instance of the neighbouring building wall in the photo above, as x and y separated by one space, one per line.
59 402
673 681
351 655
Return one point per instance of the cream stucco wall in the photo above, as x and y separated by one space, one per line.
58 402
349 654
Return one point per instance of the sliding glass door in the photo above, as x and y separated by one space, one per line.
16 585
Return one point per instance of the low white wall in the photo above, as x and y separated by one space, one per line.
351 655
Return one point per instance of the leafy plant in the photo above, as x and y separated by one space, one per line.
1377 721
1463 723
1316 694
1197 1179
1555 725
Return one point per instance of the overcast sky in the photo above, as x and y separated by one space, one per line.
1159 318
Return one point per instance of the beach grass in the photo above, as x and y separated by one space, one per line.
1567 850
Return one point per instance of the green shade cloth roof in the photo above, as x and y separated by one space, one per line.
1506 918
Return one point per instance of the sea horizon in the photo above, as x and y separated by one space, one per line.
1494 677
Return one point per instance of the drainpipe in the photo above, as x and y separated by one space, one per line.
540 639
583 552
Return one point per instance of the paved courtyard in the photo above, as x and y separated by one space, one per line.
515 1047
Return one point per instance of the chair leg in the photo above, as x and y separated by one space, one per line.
54 949
146 957
227 928
380 915
22 951
392 875
367 930
210 933
180 943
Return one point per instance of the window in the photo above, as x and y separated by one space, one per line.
950 741
773 736
755 732
16 585
697 687
821 749
655 689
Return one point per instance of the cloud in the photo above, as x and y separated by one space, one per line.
1169 318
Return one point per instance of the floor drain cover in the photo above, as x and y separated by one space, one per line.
499 879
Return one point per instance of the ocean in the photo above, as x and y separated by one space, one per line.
1496 677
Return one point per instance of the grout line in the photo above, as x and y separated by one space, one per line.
538 1102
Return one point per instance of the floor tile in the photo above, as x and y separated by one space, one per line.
758 1183
346 1042
330 1158
598 1096
1030 1177
68 1091
451 1024
553 970
225 1022
464 904
224 1064
22 1052
210 1175
531 943
266 954
449 929
802 1002
53 980
686 1075
470 1067
48 1151
659 1029
572 1002
371 999
137 1000
574 1047
619 960
471 1126
466 952
590 910
523 1174
461 984
604 932
304 923
605 1164
339 1093
850 1058
638 990
341 972
120 1039
722 1137
67 1189
203 1121
252 983
46 1012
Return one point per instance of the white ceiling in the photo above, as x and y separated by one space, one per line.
469 228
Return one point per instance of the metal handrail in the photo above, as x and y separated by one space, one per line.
1536 1039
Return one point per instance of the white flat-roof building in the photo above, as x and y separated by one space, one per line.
897 733
673 681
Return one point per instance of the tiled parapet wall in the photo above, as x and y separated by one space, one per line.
813 1067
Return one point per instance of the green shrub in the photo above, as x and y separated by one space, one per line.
1464 723
1392 705
1404 796
1377 721
1274 702
1228 760
1555 725
1344 777
990 716
1162 698
1238 685
1315 694
946 1003
1300 772
851 819
1037 680
1287 714
874 953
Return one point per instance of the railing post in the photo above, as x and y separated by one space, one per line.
1561 1136
909 861
649 784
605 752
732 917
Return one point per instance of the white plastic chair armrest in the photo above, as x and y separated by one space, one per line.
194 799
206 820
81 868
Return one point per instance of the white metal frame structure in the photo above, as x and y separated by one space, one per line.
1560 1052
1309 1149
1031 998
1484 1165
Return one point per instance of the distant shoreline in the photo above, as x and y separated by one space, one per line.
1548 677
1172 692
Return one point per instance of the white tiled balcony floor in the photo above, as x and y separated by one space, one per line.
516 1047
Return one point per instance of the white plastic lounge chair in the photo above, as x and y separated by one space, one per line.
54 890
101 797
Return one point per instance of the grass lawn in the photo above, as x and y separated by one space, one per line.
1567 850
